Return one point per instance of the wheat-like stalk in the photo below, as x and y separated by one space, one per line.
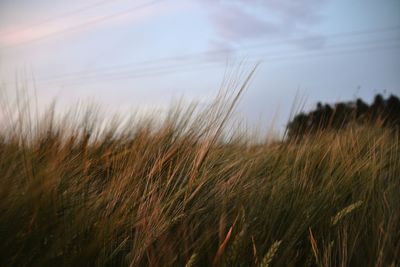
341 214
192 261
270 254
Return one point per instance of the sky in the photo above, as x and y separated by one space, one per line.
146 53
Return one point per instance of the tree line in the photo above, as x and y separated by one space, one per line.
385 112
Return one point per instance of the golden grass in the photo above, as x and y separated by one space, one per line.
184 192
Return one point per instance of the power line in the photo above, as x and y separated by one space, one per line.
199 58
87 24
58 17
206 65
167 68
218 52
172 71
190 61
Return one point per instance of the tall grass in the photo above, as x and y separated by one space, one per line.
78 192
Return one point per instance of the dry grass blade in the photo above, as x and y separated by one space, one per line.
314 246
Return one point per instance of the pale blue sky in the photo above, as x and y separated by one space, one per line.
144 53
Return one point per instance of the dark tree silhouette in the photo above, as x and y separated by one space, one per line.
342 114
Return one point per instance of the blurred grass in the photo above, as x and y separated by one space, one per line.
78 191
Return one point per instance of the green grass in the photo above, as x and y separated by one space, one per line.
186 193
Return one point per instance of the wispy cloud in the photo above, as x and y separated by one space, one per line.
235 21
77 24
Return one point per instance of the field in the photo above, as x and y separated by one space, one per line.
191 191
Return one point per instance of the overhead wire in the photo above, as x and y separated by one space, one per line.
206 64
105 72
218 52
214 65
211 66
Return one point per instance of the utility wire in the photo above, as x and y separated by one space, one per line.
207 65
162 69
200 58
263 60
86 24
138 68
219 52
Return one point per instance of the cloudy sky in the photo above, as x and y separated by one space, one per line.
145 53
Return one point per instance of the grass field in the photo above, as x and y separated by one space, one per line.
185 192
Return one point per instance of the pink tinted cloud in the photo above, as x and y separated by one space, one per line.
78 24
